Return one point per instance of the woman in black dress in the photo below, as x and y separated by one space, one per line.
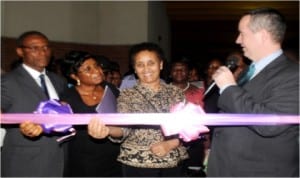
86 156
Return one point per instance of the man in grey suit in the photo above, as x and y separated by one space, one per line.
258 151
27 151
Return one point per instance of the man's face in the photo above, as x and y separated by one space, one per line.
35 52
249 41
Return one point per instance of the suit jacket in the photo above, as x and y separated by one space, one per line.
259 150
22 156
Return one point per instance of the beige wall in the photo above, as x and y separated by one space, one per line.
103 22
123 22
159 26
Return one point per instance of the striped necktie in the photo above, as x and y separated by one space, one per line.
43 85
246 76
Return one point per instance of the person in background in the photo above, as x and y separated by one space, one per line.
194 74
116 74
106 66
145 151
213 65
211 98
128 81
27 151
87 157
179 74
210 104
241 63
116 78
271 86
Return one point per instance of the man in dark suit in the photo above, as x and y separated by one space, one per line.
264 151
27 151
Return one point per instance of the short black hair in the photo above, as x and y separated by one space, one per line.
103 61
23 36
72 62
145 46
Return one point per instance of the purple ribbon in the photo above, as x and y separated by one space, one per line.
187 120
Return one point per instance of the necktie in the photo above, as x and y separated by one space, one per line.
245 77
43 85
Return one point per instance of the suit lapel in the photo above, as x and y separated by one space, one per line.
26 81
267 70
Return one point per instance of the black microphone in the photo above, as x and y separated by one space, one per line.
231 63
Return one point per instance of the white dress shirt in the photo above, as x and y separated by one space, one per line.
36 76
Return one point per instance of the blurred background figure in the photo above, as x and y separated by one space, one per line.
116 77
241 62
211 98
195 77
212 66
105 65
179 75
129 80
210 103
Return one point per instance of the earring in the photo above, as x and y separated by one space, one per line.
78 82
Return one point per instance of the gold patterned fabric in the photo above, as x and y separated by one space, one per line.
135 148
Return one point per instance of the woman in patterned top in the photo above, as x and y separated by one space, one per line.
145 151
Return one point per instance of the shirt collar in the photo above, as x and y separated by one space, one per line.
261 64
34 73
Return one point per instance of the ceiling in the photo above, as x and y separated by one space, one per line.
225 10
202 30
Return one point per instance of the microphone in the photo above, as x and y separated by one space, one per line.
231 63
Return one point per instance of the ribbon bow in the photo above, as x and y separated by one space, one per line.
55 107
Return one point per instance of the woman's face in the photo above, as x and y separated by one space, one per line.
179 73
89 73
147 66
212 67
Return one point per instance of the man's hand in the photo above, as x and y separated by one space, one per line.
31 129
223 77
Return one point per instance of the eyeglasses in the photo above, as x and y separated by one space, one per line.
35 49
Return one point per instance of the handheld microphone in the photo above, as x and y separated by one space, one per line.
231 63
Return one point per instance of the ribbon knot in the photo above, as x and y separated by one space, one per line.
54 107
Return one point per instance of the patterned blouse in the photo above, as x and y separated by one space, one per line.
135 148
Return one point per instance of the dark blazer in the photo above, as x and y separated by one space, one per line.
262 151
22 156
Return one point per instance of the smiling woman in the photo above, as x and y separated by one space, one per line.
145 151
87 157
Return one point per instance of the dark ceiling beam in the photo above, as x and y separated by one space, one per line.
229 10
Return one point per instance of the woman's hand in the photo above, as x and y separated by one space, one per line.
31 129
164 147
97 129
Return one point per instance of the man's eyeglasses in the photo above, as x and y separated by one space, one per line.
35 49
